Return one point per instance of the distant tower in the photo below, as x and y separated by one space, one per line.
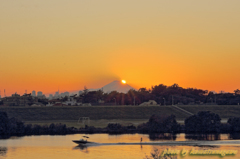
56 94
34 93
4 92
0 94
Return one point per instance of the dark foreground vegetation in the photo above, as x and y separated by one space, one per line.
204 122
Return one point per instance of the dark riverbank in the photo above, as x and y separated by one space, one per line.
200 123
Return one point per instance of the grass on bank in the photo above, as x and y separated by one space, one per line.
93 112
224 111
100 116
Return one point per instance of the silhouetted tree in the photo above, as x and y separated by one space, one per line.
160 124
234 124
237 92
3 123
203 122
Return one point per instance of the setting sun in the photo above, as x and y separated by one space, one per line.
123 81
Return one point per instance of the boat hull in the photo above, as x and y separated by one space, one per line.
81 142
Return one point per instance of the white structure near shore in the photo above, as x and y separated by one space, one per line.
149 103
71 101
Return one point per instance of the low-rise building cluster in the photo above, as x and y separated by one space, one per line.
17 100
40 100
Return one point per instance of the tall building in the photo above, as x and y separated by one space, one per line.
34 93
50 96
56 95
39 94
0 97
65 94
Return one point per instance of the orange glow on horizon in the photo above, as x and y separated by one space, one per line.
45 47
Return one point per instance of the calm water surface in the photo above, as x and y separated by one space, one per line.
62 147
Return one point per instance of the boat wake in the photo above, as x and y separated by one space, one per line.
170 143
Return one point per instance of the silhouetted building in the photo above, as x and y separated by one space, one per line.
17 100
149 103
39 93
65 94
56 95
34 93
42 97
50 96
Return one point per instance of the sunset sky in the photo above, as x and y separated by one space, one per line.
51 44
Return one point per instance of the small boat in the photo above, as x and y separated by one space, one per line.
82 141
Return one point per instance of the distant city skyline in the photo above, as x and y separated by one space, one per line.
68 93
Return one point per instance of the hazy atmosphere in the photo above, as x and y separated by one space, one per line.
46 45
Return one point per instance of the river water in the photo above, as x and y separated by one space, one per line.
112 146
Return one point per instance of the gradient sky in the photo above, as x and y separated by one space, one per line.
46 44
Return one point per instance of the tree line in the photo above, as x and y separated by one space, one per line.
162 94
